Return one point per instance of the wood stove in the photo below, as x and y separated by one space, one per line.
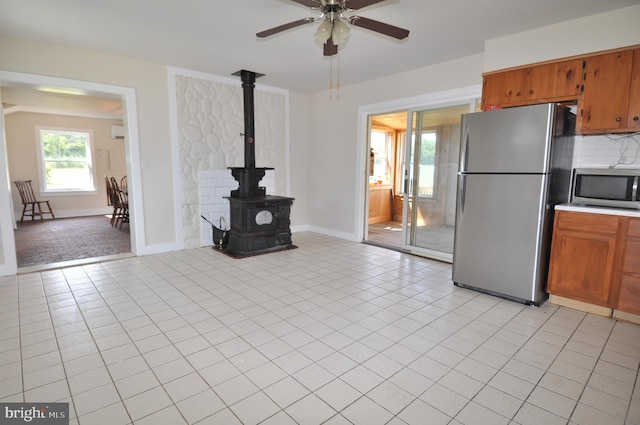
260 223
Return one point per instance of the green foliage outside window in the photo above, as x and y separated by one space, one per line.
428 149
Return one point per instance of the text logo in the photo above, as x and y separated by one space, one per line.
34 413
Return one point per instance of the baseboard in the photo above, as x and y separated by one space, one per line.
626 316
8 269
159 249
324 231
580 305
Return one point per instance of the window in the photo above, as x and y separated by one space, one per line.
382 149
427 164
66 160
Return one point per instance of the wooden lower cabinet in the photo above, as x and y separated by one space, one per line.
629 299
583 260
595 258
380 204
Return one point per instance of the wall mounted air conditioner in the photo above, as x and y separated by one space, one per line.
117 132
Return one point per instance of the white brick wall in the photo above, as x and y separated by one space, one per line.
213 186
604 151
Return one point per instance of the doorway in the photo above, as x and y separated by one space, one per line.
128 116
387 135
413 161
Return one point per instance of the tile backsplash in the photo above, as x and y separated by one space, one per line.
619 150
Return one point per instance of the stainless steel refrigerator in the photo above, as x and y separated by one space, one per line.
515 165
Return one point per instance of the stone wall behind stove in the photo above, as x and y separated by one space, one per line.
210 123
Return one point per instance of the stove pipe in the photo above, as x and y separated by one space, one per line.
248 84
249 176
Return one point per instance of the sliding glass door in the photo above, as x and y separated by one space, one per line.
430 172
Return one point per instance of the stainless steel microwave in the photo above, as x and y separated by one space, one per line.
606 187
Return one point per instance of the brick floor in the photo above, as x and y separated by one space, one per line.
65 239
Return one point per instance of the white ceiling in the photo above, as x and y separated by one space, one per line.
24 98
218 37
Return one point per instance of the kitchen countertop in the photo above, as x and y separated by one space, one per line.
627 212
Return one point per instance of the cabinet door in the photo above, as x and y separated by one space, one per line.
633 119
568 79
560 80
632 257
582 266
604 104
539 82
534 84
629 299
501 88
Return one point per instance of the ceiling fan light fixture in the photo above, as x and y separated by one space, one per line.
340 32
324 31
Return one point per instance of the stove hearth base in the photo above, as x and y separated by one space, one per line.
239 255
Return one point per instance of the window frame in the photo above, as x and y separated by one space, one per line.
42 173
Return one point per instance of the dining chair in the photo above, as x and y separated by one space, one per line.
123 198
112 199
30 203
121 205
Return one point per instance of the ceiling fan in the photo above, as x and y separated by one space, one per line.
334 30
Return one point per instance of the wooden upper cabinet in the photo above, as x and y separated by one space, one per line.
604 104
605 85
500 89
633 118
549 82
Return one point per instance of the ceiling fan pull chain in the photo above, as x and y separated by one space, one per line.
331 78
338 84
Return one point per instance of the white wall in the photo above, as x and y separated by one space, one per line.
604 31
299 157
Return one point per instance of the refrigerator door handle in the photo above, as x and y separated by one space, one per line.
464 155
463 193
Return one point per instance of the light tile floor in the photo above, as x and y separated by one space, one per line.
334 332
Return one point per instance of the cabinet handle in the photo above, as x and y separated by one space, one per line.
518 94
618 119
530 91
635 118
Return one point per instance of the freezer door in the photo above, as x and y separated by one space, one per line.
513 140
499 238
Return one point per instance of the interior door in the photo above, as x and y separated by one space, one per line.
431 166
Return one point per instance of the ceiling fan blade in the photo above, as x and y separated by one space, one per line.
280 28
359 4
308 3
330 49
381 27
